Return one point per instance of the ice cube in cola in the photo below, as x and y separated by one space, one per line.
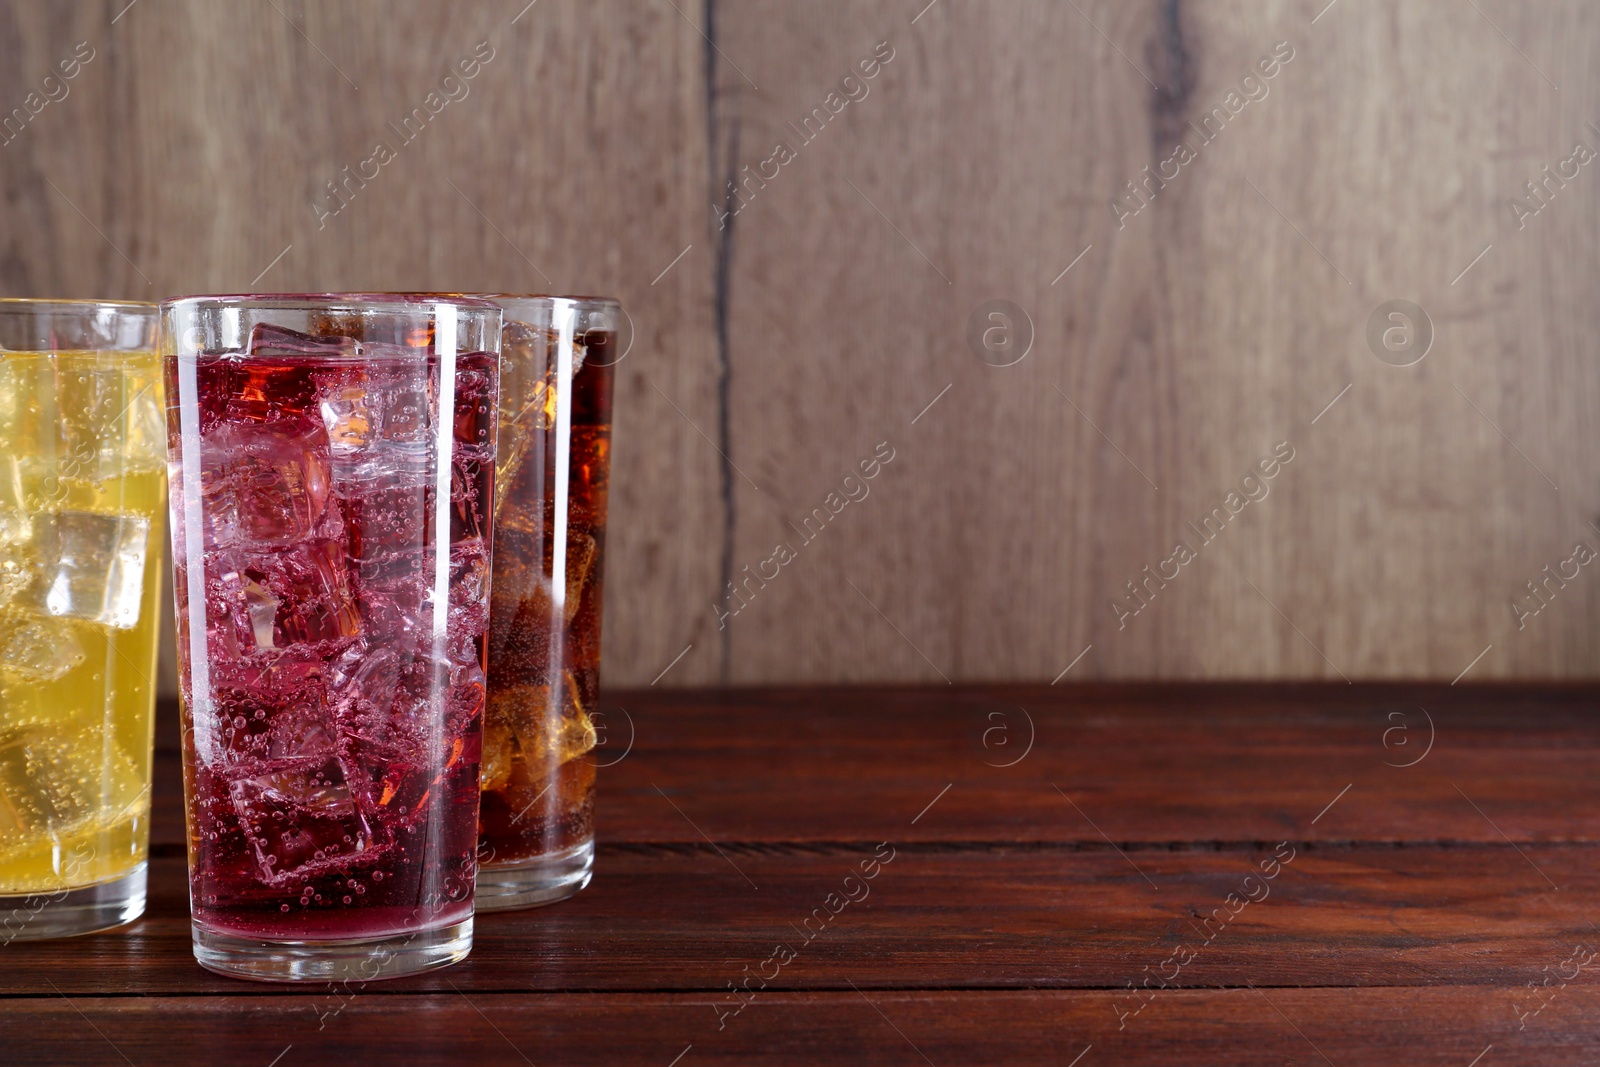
335 750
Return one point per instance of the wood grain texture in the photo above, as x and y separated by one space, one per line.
200 139
1001 916
1215 322
1191 337
1003 929
1441 1027
1233 766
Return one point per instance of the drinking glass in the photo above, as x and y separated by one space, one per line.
333 495
558 358
82 475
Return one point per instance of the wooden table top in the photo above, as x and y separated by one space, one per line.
1094 875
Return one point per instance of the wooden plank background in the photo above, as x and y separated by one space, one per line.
775 353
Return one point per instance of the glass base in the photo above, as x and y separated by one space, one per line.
365 960
541 880
73 911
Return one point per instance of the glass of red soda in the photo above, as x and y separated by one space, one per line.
332 462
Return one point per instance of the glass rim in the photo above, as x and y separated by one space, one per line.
581 301
26 304
608 302
381 303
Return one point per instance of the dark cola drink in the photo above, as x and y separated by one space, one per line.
544 645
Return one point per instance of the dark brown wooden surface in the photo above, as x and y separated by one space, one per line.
1020 902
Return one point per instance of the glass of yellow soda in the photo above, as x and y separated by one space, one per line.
82 493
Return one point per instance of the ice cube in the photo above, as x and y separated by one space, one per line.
264 485
269 340
527 354
471 481
15 525
589 491
53 781
528 370
15 574
380 419
36 650
264 392
111 419
396 597
144 422
403 615
469 594
391 782
477 396
545 735
581 552
381 737
263 609
300 819
273 706
522 588
404 698
365 681
348 418
305 729
282 381
394 769
291 596
395 580
499 750
469 689
425 681
520 627
389 518
19 559
90 402
407 413
527 403
90 567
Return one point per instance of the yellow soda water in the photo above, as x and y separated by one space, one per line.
82 484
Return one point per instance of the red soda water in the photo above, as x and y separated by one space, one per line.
333 703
